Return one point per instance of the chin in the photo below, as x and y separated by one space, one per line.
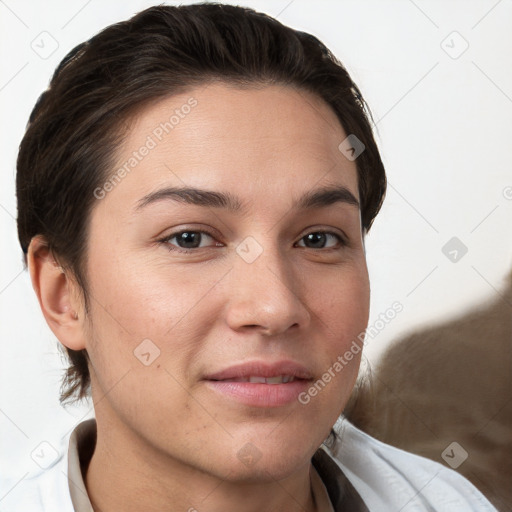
263 457
268 468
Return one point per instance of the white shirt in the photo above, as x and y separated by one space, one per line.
356 473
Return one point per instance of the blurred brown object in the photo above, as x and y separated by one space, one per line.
449 383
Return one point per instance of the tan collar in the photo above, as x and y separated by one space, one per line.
81 446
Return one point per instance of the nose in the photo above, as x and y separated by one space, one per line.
264 296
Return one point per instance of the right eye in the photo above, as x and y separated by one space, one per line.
188 240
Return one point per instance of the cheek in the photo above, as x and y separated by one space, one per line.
145 312
341 300
145 329
145 297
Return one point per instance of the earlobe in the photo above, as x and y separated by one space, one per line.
56 294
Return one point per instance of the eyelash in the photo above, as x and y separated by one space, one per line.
341 241
166 240
173 248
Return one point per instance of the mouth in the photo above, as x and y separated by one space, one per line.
257 379
261 384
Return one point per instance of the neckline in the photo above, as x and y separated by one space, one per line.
331 489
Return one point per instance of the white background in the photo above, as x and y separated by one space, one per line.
444 129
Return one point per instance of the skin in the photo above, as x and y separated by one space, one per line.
166 441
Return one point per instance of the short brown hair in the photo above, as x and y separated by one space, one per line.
78 122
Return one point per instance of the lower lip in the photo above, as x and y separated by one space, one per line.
260 395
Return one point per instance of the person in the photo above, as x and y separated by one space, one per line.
194 189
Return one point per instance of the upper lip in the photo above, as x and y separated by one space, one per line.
262 369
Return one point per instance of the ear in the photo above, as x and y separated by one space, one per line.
58 295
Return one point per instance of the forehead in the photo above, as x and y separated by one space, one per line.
250 140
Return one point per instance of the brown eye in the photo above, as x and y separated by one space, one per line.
189 240
320 240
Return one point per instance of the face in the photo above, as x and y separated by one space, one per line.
227 275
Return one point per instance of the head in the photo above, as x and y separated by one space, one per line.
188 202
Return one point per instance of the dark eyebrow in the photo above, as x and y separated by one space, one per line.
327 196
315 199
192 196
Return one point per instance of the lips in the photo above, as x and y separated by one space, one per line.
255 379
258 370
260 384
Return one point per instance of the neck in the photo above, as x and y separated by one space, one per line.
126 473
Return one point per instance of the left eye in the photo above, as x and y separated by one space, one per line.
191 239
320 240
